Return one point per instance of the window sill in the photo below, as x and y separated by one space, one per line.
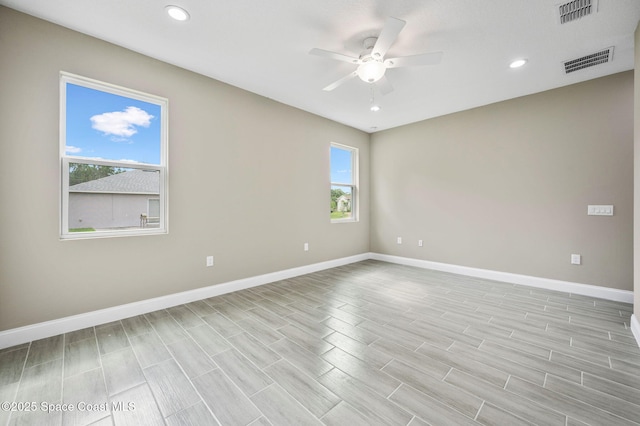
112 234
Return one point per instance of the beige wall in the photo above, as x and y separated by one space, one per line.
502 187
248 178
636 239
506 187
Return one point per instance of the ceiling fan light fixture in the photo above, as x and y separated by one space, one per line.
375 108
371 71
177 13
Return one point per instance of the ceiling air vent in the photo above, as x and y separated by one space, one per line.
576 9
601 57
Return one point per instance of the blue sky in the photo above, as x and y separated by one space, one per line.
341 165
111 127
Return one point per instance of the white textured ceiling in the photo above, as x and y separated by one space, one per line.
262 46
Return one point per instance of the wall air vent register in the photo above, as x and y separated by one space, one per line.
601 57
576 9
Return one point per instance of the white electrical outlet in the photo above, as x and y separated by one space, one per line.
209 260
419 243
399 240
576 259
306 246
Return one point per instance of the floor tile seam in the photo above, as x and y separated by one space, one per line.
615 414
521 341
188 408
468 365
475 418
601 325
246 358
535 403
540 370
188 336
14 348
251 362
610 315
233 383
591 340
592 373
142 370
371 368
19 383
186 376
299 326
598 391
64 338
275 380
543 405
506 370
634 351
365 385
44 362
239 350
135 355
625 339
179 322
602 352
591 388
64 351
437 400
275 383
102 375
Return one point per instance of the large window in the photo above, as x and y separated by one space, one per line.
113 156
344 183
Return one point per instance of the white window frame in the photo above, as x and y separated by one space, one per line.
65 159
353 185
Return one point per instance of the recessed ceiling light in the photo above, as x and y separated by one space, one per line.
375 108
518 63
177 13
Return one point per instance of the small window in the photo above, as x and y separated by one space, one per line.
344 178
113 152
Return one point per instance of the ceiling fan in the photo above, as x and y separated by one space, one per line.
371 63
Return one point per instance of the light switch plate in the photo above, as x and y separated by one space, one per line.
600 210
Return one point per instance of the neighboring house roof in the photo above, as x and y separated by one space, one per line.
133 181
345 197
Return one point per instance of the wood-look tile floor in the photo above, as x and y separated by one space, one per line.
370 343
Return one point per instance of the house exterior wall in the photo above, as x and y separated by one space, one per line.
106 211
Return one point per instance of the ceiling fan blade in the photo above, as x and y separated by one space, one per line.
415 60
340 82
384 85
334 55
389 34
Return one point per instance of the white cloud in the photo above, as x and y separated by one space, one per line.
121 123
72 149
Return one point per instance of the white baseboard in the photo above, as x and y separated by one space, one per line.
42 330
546 283
635 328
